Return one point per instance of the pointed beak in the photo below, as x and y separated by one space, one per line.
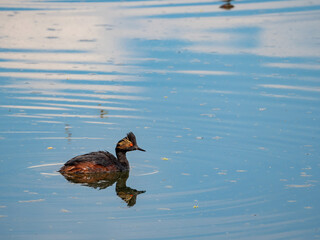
140 149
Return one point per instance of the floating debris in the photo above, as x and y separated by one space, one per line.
307 168
199 138
216 138
223 172
262 109
240 170
227 6
65 210
164 159
49 148
304 174
103 113
185 174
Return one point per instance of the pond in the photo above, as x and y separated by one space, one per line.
224 97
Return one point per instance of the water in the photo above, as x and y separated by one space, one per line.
226 103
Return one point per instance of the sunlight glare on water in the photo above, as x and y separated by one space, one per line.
223 95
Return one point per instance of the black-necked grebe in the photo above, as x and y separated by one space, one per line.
103 161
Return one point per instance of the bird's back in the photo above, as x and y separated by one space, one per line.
92 162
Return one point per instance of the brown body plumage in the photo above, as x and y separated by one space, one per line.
103 161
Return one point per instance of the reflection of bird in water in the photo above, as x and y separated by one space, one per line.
227 5
103 161
127 194
104 180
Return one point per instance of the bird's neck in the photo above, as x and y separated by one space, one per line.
122 181
121 155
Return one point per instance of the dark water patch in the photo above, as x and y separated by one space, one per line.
52 37
87 40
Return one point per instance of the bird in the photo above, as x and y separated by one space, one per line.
103 161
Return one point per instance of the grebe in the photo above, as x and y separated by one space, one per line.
103 161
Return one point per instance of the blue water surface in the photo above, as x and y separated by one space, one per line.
226 103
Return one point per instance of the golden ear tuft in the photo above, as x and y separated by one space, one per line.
124 143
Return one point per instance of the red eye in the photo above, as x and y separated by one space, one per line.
130 144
